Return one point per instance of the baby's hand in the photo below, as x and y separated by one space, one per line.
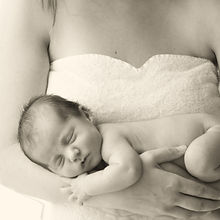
76 189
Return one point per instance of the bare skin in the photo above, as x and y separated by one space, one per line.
129 30
132 31
162 132
122 142
199 132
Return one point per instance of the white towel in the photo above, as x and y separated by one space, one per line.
116 91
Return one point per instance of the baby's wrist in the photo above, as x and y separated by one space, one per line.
82 182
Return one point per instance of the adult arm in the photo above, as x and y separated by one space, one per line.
23 61
24 66
160 193
178 195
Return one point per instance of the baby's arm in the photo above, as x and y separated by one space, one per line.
125 168
202 157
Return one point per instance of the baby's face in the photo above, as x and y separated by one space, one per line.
69 148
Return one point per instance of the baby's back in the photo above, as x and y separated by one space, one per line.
164 132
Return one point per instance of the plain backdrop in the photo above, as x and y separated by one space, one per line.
14 206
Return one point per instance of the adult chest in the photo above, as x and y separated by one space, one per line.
128 30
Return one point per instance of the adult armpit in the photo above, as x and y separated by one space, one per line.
24 66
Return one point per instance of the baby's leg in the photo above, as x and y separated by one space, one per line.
202 157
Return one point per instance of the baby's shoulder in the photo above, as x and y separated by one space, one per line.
107 129
112 138
110 131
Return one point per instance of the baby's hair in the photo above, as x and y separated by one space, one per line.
63 107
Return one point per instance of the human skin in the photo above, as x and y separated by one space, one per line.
112 28
155 204
199 132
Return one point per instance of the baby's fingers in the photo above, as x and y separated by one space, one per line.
72 197
79 202
66 189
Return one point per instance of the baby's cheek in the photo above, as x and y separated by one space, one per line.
72 171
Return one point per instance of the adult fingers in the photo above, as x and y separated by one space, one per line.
162 155
197 204
196 189
173 168
214 215
182 213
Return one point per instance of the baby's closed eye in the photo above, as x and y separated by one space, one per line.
57 162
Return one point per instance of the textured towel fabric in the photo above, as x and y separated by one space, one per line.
116 91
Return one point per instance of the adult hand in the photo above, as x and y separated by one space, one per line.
161 194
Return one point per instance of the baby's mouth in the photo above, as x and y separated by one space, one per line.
84 160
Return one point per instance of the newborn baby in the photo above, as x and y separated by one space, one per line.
61 136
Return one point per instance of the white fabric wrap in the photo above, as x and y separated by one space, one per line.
116 91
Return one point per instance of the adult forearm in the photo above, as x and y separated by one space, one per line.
24 62
159 193
20 174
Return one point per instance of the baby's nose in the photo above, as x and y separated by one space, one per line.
75 155
76 151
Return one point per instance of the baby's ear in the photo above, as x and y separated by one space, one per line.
86 112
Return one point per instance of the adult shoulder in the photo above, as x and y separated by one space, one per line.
24 60
208 19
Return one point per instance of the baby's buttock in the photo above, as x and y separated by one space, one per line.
211 121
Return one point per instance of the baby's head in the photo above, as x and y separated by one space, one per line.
58 135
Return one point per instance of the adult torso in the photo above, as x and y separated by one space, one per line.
130 30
